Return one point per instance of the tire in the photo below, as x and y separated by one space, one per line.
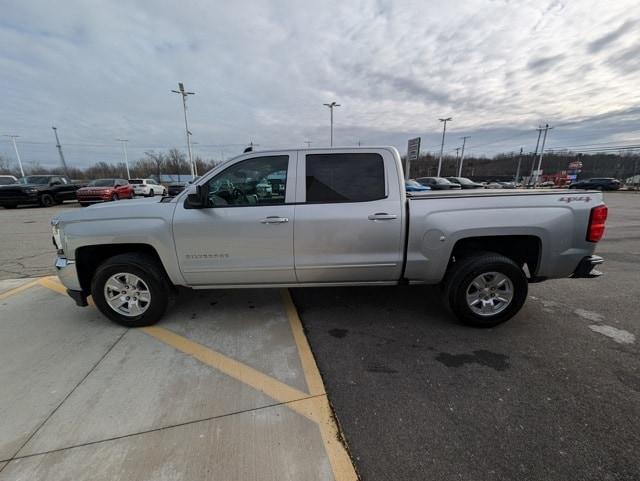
151 193
46 200
459 282
115 197
154 282
84 204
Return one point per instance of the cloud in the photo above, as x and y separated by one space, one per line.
609 38
262 70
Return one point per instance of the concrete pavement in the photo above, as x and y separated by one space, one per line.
224 388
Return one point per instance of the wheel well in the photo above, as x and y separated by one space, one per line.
89 258
522 249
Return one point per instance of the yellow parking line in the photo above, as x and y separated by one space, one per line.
53 284
246 374
341 465
19 289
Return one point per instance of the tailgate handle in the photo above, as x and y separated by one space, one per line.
274 219
382 216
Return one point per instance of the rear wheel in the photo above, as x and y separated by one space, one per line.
151 193
131 289
115 197
486 289
46 200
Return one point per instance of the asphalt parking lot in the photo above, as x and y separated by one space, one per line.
553 394
226 386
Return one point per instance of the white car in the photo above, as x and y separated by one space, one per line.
147 187
8 180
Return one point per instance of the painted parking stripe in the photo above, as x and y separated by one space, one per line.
19 289
314 405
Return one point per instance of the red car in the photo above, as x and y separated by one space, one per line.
104 190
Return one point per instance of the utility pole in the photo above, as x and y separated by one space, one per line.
535 153
464 141
195 161
15 147
544 139
457 157
444 131
331 106
64 164
518 169
126 157
184 94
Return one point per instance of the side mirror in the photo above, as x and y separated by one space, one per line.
199 199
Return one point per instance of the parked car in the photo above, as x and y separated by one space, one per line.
147 187
548 183
465 183
493 184
104 190
175 187
507 184
601 183
413 186
354 225
45 190
8 180
437 183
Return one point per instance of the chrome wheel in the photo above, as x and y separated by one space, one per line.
127 294
489 294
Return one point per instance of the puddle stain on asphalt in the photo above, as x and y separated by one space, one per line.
380 368
499 362
339 333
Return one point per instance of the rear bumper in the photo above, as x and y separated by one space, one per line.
587 268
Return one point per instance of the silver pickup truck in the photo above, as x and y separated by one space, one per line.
326 217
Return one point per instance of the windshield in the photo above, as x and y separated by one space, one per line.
136 181
101 183
35 179
7 181
413 183
440 180
462 180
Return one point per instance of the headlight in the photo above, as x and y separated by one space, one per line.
55 231
31 190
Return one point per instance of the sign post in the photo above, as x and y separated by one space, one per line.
413 153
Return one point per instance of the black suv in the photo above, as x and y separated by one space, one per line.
45 190
601 183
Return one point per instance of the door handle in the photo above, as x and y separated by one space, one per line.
274 219
382 216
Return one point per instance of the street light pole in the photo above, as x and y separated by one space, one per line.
184 94
126 157
544 139
331 106
15 147
444 131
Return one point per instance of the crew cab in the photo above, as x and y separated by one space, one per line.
331 217
45 190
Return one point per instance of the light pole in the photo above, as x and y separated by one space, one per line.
15 147
195 162
544 139
126 157
184 94
331 106
444 131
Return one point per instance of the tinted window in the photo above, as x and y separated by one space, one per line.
7 181
344 177
255 181
135 181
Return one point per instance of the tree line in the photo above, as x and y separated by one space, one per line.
152 164
499 167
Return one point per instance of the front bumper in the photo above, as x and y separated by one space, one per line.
587 268
68 275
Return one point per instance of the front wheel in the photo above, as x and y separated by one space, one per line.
486 289
151 193
115 197
131 290
46 200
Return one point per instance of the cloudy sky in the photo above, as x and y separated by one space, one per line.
102 70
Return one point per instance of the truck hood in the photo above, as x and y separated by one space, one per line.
122 209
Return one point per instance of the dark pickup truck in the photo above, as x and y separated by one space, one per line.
44 190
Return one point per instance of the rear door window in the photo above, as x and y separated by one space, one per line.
345 177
